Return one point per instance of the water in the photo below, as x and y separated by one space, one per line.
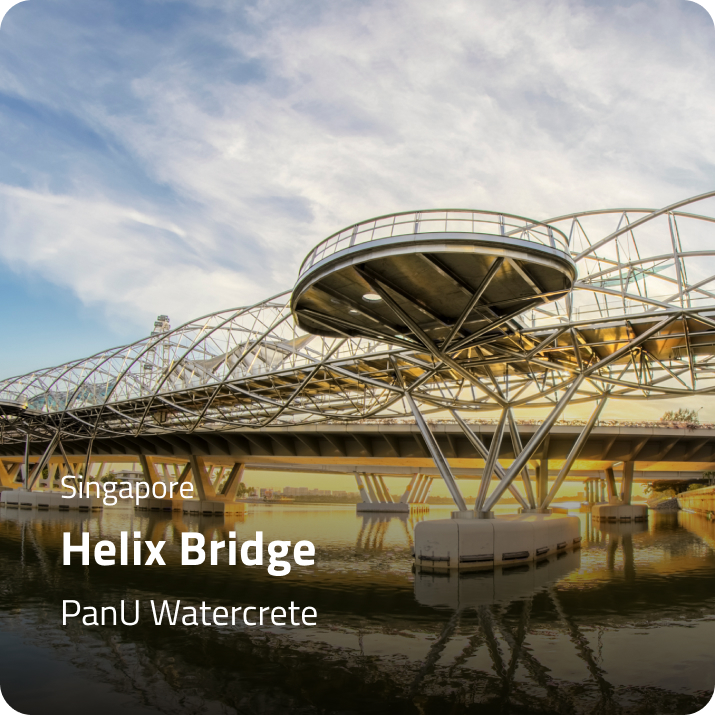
624 625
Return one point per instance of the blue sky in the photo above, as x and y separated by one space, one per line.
181 157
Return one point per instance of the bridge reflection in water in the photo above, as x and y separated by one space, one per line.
597 630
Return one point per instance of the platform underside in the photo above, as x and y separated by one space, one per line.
432 278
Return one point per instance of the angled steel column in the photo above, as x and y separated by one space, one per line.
533 444
516 443
491 461
573 456
484 452
437 456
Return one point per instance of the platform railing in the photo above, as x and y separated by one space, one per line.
437 221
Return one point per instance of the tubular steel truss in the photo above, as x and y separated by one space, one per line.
638 324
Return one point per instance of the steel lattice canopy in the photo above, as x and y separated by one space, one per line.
622 306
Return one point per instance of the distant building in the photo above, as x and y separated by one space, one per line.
295 491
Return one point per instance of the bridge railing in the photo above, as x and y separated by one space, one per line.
437 221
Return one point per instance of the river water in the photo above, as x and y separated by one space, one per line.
626 624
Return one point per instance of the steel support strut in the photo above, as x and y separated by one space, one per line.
546 426
437 456
516 443
533 444
491 461
483 451
37 471
574 453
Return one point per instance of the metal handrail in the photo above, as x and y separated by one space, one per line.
437 221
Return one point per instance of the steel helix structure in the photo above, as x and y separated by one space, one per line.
454 309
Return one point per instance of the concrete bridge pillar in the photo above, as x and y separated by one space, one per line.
385 490
405 498
364 494
542 480
235 477
374 499
627 482
149 469
202 482
419 483
7 476
611 487
424 492
377 488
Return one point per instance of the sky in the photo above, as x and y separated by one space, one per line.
162 156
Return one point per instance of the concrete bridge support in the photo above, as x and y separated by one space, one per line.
627 482
376 495
611 487
618 510
405 498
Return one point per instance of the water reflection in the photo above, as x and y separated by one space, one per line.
500 585
623 625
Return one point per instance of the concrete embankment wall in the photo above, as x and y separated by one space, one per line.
699 501
664 504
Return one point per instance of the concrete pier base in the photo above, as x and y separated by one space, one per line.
382 508
215 508
20 499
156 504
619 512
475 544
192 506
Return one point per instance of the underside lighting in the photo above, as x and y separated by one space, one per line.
352 310
371 297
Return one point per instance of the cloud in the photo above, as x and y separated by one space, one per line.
184 157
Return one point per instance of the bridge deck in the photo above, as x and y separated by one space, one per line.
658 452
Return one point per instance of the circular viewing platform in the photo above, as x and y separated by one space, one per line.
443 273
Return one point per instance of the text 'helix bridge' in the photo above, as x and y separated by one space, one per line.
454 310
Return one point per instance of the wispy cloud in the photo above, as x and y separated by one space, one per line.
183 157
